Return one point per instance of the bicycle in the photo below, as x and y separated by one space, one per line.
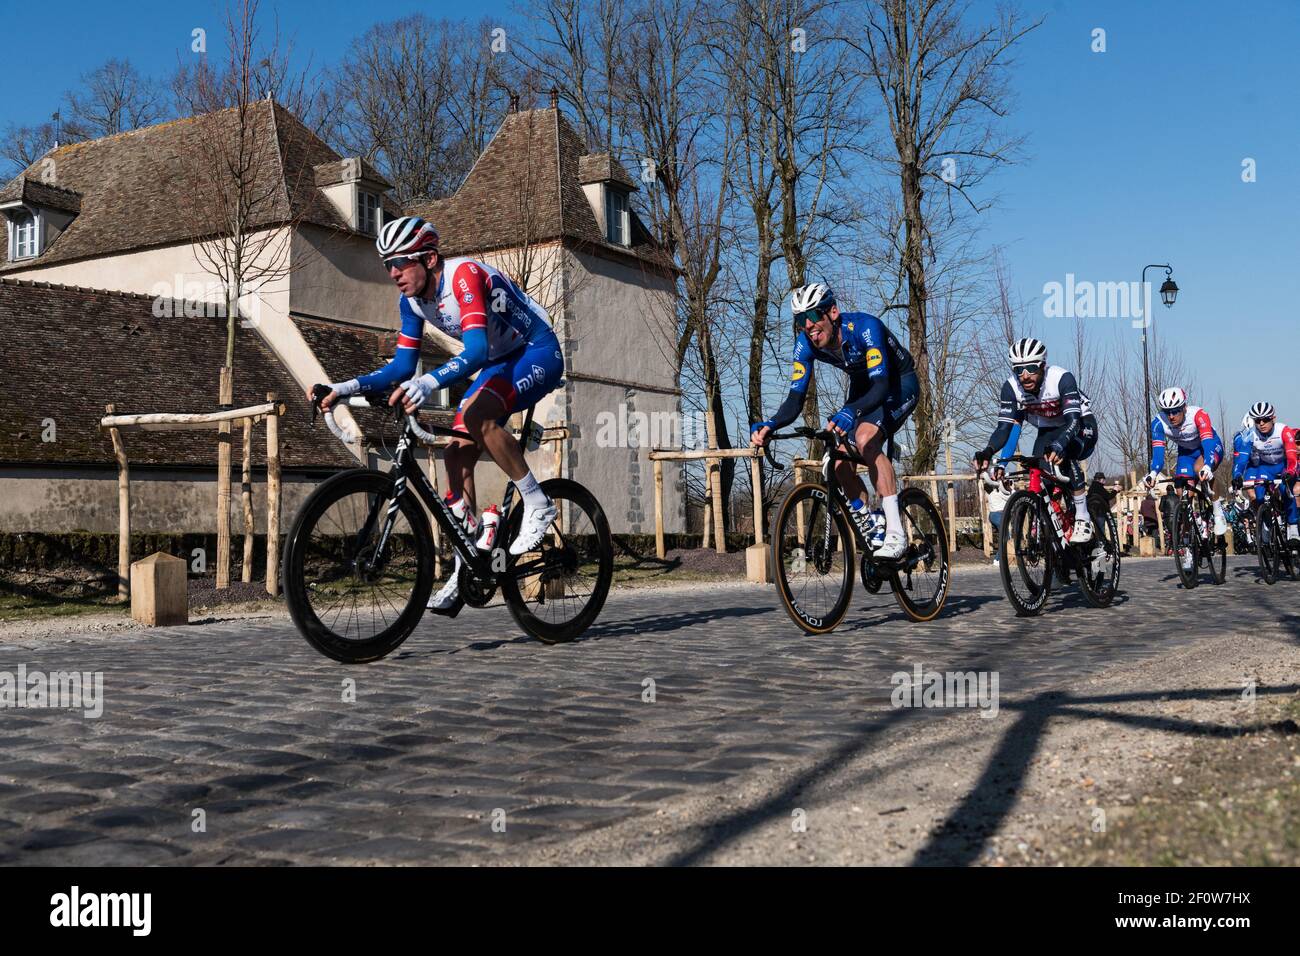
1275 552
814 539
1194 540
1241 520
363 537
1035 539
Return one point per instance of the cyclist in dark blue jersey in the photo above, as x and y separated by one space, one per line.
882 393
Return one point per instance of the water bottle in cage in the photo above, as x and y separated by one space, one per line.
490 522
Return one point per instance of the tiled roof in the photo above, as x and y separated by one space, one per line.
135 187
602 167
528 183
343 170
69 351
36 193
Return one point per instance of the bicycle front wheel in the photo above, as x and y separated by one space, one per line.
355 584
812 558
1268 544
1187 556
1026 558
556 591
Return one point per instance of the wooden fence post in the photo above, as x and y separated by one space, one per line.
246 499
719 524
223 482
123 513
660 550
273 498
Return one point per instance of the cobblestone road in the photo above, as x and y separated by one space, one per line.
242 720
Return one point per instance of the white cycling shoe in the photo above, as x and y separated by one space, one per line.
894 545
447 601
1292 533
1081 533
1220 522
537 521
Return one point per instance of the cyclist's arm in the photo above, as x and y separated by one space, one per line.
1240 455
1206 432
1157 445
1292 452
403 364
1010 420
800 375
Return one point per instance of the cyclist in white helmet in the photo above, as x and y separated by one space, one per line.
508 342
1270 453
883 390
1049 398
1200 449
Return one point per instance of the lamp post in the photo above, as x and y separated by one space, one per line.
1168 293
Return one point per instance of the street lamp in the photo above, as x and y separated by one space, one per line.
1168 293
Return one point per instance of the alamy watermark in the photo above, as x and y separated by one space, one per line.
1084 299
196 299
68 690
627 428
922 688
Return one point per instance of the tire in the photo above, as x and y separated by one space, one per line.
1270 557
1024 540
1186 541
927 554
1100 584
792 556
588 543
1217 557
309 595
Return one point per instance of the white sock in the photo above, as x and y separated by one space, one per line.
1081 507
1218 510
532 492
893 521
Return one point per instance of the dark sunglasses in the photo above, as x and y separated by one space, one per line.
400 262
1018 370
810 317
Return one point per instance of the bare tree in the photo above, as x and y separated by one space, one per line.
112 99
942 87
24 145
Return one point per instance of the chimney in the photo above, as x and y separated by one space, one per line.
555 98
514 102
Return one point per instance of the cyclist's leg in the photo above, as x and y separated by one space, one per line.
873 428
463 453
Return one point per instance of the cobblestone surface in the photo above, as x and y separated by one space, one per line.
470 723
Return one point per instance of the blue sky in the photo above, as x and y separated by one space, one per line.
1133 156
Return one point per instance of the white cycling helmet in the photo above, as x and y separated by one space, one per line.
406 236
815 296
1261 410
1027 351
1171 399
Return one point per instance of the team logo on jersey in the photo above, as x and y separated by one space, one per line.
798 372
467 298
850 326
874 358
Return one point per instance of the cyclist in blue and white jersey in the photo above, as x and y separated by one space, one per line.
508 342
1271 453
1200 449
1049 398
882 393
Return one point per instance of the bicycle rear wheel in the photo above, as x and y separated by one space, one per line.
812 558
1026 559
351 599
1267 543
1099 568
1216 548
920 577
556 591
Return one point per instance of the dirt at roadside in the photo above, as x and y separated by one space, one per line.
1144 745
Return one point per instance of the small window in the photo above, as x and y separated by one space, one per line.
22 235
368 213
618 221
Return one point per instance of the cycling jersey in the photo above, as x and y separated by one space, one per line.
1241 445
1276 449
475 304
882 375
1060 411
1194 437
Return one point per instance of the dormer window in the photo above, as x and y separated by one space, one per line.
618 221
24 234
368 212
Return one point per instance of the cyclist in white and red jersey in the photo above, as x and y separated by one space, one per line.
507 340
1270 452
1200 449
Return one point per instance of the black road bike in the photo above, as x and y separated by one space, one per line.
1195 542
814 541
1242 522
1034 546
1277 555
359 559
